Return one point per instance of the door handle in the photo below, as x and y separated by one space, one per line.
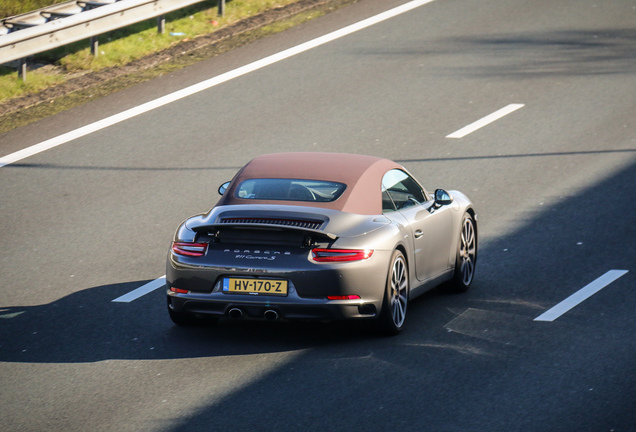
418 234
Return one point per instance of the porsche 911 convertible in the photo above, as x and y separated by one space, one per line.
320 236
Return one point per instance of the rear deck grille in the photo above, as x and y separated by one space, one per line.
300 223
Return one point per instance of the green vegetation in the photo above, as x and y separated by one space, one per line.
16 7
11 86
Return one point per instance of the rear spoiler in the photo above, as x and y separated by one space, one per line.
297 221
270 226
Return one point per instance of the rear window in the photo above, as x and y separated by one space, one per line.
290 190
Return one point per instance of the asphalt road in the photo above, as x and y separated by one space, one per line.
554 183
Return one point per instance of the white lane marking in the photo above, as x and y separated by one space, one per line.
204 85
485 121
581 295
143 290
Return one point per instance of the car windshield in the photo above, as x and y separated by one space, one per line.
290 190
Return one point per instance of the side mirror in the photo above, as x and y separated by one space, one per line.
224 187
442 197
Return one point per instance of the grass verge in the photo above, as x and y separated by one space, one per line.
10 8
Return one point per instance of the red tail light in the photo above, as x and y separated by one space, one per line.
178 290
344 297
340 255
189 249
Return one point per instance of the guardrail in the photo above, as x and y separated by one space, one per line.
51 27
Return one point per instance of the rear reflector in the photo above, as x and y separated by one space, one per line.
344 297
340 255
189 249
178 290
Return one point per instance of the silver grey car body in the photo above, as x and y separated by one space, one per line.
340 236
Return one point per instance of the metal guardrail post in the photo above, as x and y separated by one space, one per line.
161 24
221 7
22 69
94 46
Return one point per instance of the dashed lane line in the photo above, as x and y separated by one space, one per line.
485 121
141 291
581 295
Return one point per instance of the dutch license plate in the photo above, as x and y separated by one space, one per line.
255 286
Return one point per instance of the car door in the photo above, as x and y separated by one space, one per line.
430 226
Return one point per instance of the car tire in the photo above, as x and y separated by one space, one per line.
466 257
396 296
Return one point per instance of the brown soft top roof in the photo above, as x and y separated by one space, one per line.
362 175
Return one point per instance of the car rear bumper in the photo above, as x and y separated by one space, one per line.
218 304
199 289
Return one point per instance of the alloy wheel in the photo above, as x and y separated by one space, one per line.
399 291
467 251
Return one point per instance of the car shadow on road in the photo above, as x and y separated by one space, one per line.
87 327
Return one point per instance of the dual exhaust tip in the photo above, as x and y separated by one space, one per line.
270 315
